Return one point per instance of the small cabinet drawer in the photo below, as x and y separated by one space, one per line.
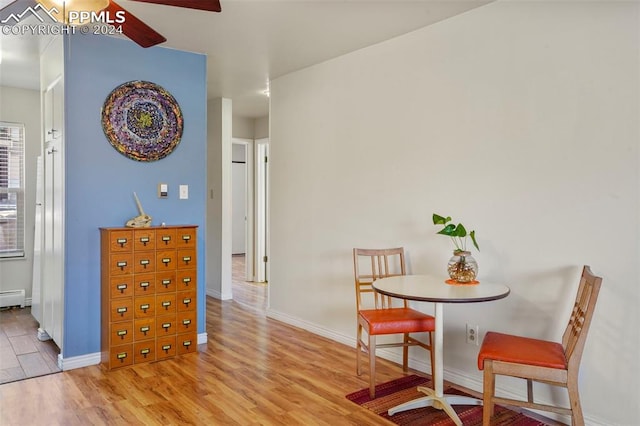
121 241
166 282
186 238
186 258
165 238
186 300
121 309
186 322
121 286
166 303
144 284
166 325
121 333
144 328
166 260
187 343
144 261
144 239
120 264
144 351
120 356
186 279
165 347
145 306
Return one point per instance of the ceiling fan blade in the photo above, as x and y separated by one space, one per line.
209 5
134 28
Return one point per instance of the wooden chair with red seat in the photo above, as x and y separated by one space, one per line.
540 360
377 315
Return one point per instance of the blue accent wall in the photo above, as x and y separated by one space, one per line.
99 181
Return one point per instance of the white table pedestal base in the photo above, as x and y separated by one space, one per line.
443 402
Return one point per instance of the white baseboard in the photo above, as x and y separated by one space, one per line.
27 301
202 338
217 295
80 361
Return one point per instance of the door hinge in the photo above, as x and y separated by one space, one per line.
265 259
266 159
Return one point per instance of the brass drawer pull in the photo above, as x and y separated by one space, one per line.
186 322
166 239
166 348
121 265
166 325
144 240
186 301
145 329
121 241
122 333
121 311
186 238
144 262
186 280
186 343
144 285
121 356
186 259
122 287
144 307
166 304
166 260
166 283
144 352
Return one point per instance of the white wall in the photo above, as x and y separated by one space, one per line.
519 119
23 106
243 127
261 128
218 232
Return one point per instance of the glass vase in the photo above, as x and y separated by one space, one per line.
462 267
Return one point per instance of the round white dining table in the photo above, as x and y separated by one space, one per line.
433 288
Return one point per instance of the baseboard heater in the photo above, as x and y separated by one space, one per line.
12 298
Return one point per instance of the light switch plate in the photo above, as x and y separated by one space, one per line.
184 192
163 190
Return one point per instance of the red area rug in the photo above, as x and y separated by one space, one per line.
404 389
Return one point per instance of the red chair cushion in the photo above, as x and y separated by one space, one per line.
521 350
397 320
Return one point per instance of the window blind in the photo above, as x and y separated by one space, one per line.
11 189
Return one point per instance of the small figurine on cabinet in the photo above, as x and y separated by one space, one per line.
143 220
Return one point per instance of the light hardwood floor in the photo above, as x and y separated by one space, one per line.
253 371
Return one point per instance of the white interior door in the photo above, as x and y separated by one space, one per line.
52 285
239 208
261 216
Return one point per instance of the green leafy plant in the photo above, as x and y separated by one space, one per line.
458 233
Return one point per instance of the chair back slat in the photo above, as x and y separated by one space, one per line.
371 264
575 334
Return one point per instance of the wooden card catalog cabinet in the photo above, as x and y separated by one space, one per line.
149 294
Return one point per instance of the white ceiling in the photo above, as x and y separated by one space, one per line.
251 42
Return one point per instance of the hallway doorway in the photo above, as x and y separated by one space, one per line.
252 295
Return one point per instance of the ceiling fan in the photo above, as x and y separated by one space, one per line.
132 26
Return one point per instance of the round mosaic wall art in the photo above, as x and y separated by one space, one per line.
142 121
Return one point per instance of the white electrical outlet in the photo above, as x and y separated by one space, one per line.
473 334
